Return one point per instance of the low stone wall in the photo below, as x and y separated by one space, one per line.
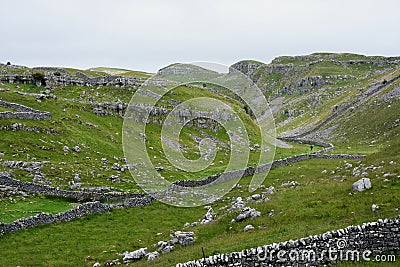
76 212
23 112
262 168
354 242
306 141
5 179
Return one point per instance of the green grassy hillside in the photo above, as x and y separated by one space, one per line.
303 92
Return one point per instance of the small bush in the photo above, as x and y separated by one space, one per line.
39 77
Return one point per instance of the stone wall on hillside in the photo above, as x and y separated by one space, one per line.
22 112
5 179
275 164
262 168
76 212
353 243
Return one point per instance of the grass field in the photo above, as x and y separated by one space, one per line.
321 200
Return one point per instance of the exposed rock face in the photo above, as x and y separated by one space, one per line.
361 185
290 75
247 67
393 94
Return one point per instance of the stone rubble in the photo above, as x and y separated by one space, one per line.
246 213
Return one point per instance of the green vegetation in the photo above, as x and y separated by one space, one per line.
22 207
320 201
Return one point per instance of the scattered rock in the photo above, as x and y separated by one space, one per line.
183 238
248 228
247 212
361 185
209 216
165 247
238 204
76 149
291 184
152 256
374 207
134 255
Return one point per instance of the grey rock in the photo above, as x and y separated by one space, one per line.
76 149
134 255
248 228
361 185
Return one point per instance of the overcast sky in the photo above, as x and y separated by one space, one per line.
147 35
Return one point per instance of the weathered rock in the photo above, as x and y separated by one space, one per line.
361 185
165 247
247 212
248 228
183 238
134 255
208 217
76 149
152 256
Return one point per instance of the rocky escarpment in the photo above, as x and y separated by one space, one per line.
357 102
293 75
46 76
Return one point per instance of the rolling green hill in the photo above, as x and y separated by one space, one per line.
351 101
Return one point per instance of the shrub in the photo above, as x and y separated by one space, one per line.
39 78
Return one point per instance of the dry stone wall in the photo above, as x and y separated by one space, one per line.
22 112
360 242
76 212
275 164
5 179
